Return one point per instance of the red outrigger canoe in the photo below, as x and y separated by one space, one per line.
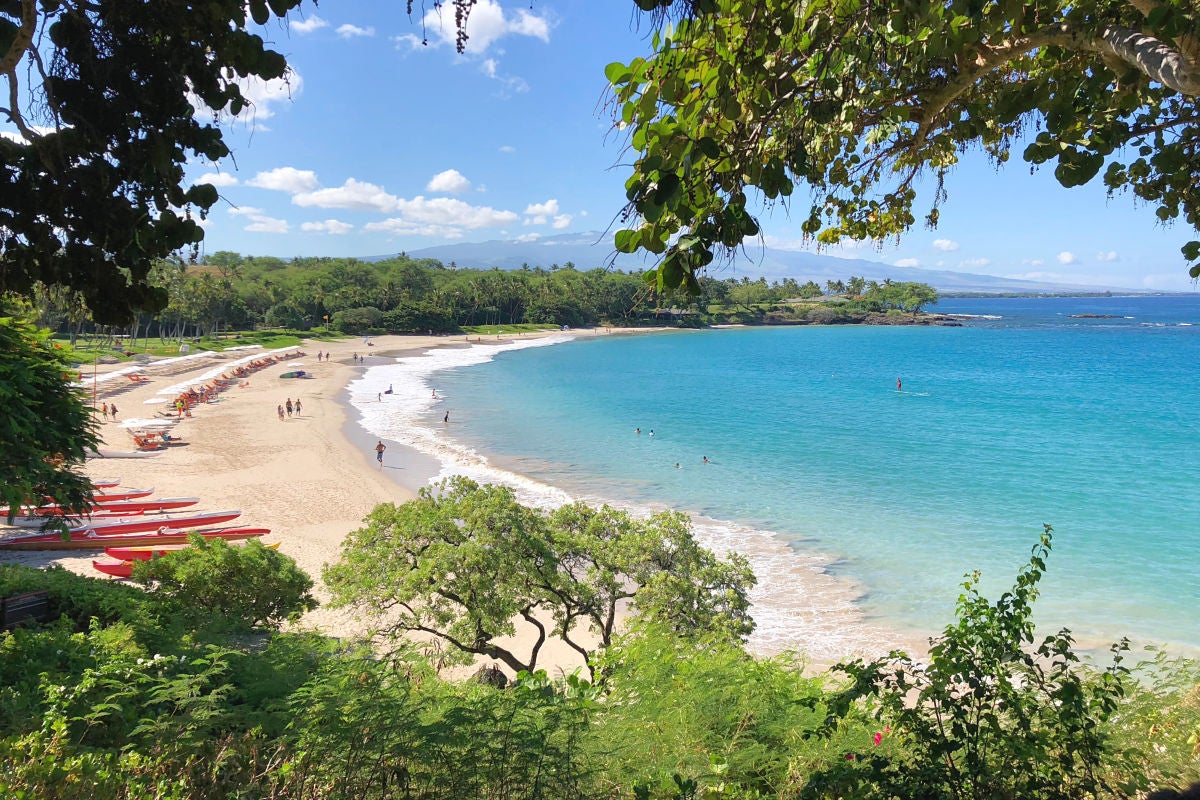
122 494
98 499
153 523
54 541
110 511
151 551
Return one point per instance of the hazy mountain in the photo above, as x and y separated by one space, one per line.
590 250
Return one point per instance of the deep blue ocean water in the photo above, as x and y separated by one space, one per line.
862 506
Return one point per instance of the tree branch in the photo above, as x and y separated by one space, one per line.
1154 58
1188 44
8 65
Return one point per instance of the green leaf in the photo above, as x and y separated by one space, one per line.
627 241
617 73
259 12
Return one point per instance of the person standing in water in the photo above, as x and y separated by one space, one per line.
899 385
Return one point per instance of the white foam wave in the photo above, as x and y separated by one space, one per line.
797 605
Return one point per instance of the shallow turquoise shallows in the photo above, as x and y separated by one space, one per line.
1025 415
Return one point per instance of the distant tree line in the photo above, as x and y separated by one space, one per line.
229 291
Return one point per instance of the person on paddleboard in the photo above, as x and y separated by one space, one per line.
899 385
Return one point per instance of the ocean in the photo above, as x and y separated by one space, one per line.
862 507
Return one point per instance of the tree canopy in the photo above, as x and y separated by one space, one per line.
110 100
857 101
45 429
462 563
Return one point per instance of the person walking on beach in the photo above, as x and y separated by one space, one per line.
297 406
280 410
379 448
113 410
104 410
288 406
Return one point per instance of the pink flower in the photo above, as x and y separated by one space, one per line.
878 739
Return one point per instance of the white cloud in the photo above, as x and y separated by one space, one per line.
507 148
1065 257
488 67
527 237
975 262
328 226
353 194
444 210
414 42
286 179
561 221
946 245
539 213
244 211
349 31
217 179
907 262
1111 255
441 216
1033 262
487 24
449 181
313 23
261 224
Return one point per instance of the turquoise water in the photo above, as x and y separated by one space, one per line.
1021 417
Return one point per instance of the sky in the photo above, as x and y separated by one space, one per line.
385 140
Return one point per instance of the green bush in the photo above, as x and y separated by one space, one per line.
371 729
991 714
701 708
244 586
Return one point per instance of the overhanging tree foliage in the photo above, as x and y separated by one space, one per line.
858 100
45 428
106 98
463 563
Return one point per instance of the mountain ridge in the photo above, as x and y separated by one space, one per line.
594 249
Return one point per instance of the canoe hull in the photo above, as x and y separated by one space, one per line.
53 541
154 523
109 511
148 552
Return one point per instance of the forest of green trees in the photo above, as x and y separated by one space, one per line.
228 291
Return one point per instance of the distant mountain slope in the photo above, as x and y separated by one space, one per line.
594 249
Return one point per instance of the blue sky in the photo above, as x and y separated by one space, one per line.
380 144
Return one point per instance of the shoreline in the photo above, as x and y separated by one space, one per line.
312 479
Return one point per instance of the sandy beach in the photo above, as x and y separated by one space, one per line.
310 478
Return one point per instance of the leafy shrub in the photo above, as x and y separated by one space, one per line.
1160 721
81 599
702 708
824 315
371 729
991 715
246 586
